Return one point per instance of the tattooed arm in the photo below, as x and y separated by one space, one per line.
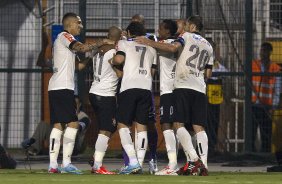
85 47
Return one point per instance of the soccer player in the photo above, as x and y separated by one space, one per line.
152 129
192 67
61 93
134 99
103 100
167 30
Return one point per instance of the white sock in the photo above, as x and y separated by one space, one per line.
127 144
100 150
170 144
186 142
202 141
68 145
54 146
142 144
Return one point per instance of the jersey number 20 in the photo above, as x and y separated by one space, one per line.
202 56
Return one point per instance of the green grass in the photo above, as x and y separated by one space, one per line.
42 177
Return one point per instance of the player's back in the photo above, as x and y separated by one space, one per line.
137 67
190 67
104 77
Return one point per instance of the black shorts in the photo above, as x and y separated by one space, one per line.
62 106
190 107
152 111
134 105
105 110
167 103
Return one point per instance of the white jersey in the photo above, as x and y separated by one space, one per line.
137 67
167 69
105 79
64 63
190 66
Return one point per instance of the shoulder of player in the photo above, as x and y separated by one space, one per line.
110 53
66 35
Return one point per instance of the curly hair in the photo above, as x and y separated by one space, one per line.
171 25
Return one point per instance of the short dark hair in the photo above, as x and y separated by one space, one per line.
267 46
197 20
136 29
171 25
68 15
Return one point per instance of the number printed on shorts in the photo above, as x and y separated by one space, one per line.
141 49
199 59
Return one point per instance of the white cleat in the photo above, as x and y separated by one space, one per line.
153 166
167 171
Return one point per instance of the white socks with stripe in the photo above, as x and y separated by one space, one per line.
68 144
127 144
142 144
186 142
170 143
202 143
100 150
54 147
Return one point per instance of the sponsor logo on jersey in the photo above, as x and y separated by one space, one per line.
69 37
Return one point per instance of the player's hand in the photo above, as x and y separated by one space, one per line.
124 35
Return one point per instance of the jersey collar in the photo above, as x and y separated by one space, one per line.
65 31
197 33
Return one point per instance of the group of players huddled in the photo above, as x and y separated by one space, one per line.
121 93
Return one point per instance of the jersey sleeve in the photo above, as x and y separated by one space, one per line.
120 46
68 40
182 39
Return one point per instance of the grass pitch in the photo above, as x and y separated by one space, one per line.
42 177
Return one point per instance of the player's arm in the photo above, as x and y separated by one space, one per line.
153 72
208 72
117 68
81 64
85 47
167 47
118 71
